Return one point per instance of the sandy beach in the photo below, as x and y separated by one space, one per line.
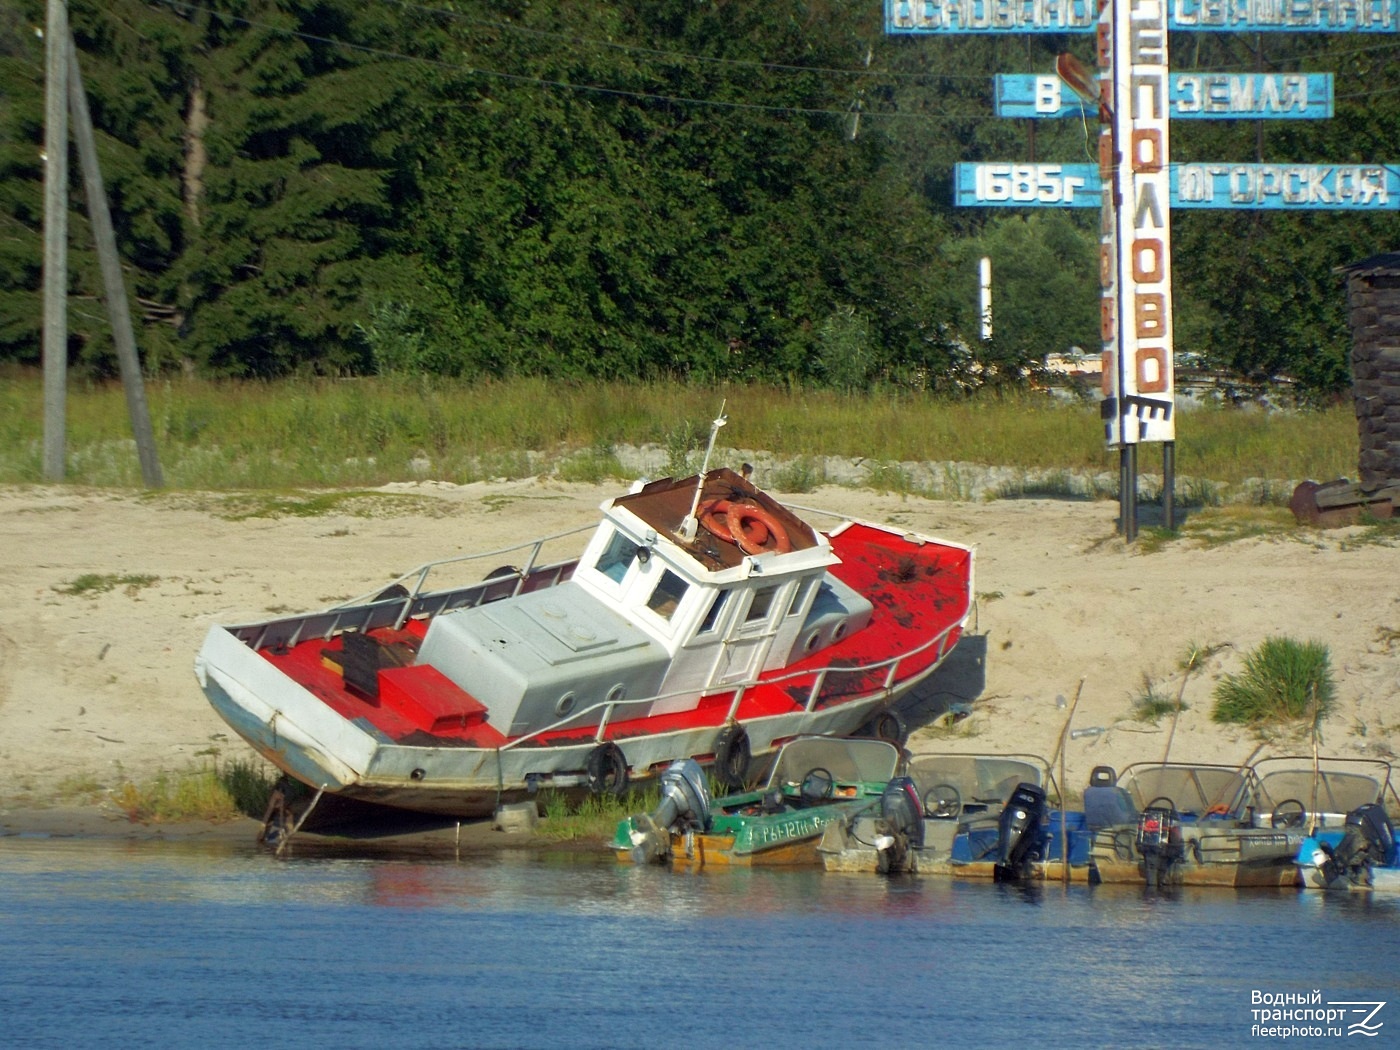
112 592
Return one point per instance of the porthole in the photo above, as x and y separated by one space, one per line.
616 693
812 640
840 631
564 704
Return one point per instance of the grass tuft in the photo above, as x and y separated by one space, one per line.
249 783
567 818
208 792
591 467
803 474
1283 681
1149 705
91 584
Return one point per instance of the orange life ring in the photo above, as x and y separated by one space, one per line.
709 515
748 530
774 528
746 525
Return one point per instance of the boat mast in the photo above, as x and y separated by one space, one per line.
691 524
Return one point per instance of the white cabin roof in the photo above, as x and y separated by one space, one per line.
656 515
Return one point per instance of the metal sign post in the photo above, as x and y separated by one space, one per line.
1135 268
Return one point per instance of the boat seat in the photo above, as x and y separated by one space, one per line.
1107 806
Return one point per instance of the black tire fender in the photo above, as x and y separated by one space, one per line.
732 755
607 770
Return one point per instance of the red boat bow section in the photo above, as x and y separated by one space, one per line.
919 590
921 595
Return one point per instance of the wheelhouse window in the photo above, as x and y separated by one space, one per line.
712 617
799 595
667 595
761 605
616 557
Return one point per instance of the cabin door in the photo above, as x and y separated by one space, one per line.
750 637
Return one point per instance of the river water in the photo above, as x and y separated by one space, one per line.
152 944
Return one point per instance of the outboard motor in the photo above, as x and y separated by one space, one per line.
902 818
685 803
1369 839
1159 841
1021 832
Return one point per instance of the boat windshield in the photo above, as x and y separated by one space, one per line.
987 779
1198 790
1327 791
848 761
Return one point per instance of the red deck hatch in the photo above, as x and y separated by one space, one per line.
429 699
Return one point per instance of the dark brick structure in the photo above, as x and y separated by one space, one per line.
1373 302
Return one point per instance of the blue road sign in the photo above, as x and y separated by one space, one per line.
1080 16
1295 187
1191 96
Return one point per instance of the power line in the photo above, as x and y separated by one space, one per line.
680 56
683 57
521 78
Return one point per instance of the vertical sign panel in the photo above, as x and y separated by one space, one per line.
1137 306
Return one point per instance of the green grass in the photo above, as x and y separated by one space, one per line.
594 816
803 474
91 584
1284 681
213 792
368 432
1149 705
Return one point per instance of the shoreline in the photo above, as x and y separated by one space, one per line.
98 824
111 594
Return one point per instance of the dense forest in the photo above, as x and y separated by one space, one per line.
711 189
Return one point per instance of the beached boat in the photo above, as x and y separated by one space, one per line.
981 816
1210 825
815 781
702 620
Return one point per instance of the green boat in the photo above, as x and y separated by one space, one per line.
815 780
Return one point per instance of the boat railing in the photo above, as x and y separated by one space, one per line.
406 596
608 710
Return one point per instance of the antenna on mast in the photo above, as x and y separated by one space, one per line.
691 524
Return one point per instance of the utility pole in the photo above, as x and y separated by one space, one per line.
118 310
64 87
55 239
